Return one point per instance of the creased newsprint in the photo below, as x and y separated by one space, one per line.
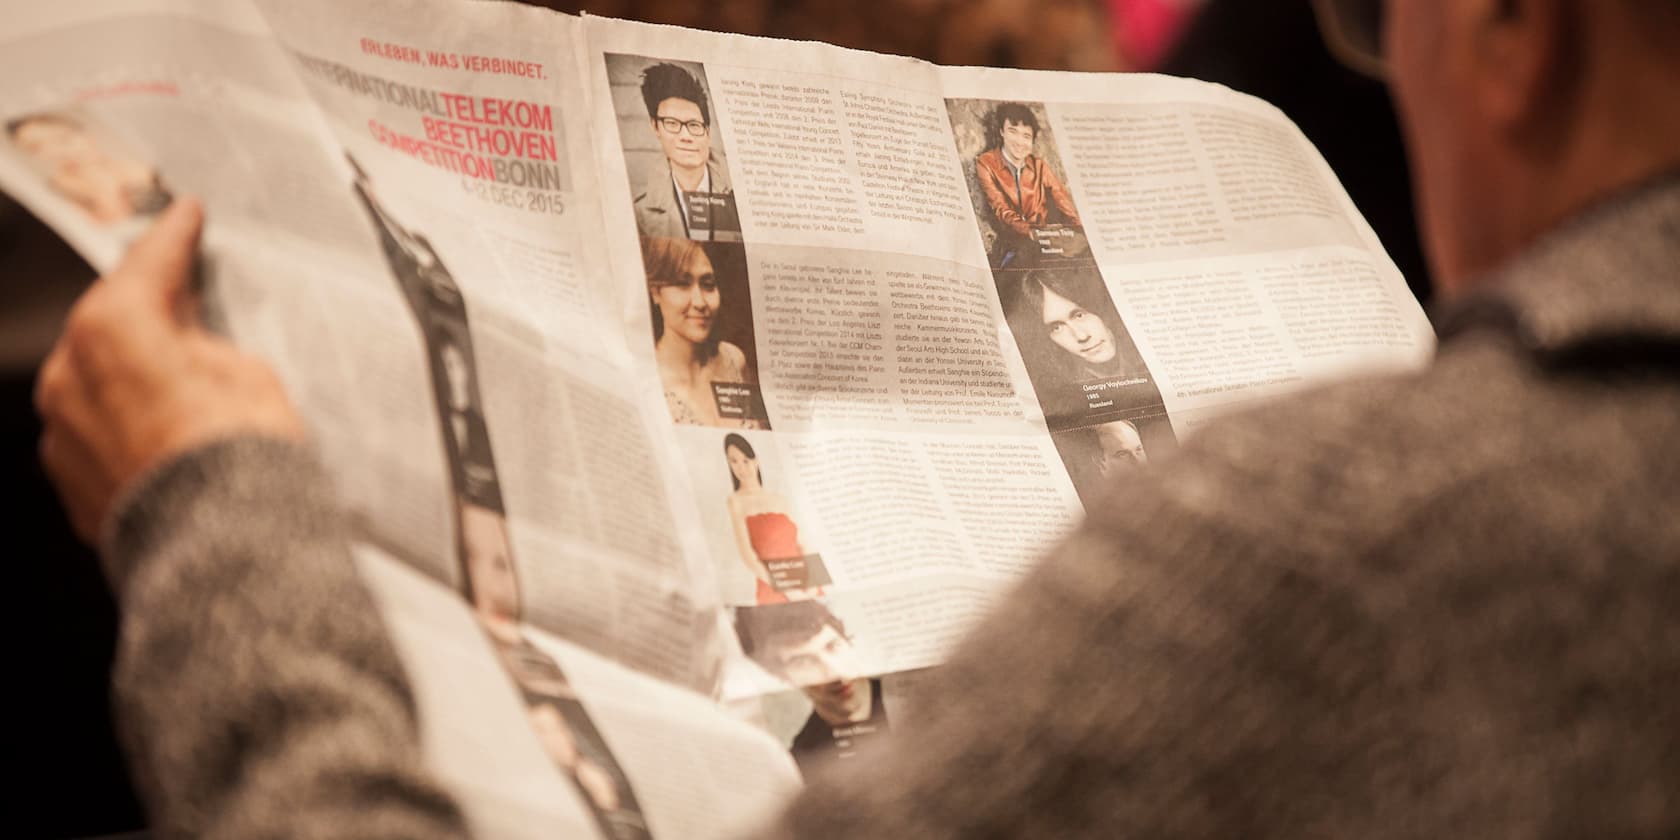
905 318
694 393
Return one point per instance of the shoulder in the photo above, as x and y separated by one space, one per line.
1338 470
681 411
720 177
730 361
656 187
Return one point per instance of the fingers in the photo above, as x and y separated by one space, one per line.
120 340
127 387
62 401
135 314
50 382
78 480
157 271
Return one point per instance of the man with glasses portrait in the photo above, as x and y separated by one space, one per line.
690 197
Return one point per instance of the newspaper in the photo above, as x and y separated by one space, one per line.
694 392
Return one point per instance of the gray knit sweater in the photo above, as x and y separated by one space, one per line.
256 690
1445 604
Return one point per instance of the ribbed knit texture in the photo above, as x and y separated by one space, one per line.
256 689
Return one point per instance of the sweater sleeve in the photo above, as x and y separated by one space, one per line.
1155 676
256 690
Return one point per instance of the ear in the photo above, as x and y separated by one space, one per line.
1525 55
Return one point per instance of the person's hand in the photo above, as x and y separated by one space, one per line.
136 379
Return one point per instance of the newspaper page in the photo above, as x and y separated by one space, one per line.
689 771
905 317
465 160
1165 251
350 260
402 220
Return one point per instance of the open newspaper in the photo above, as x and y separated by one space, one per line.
693 392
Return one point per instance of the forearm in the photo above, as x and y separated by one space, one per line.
256 690
1063 200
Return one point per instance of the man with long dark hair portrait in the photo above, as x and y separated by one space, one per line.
1070 333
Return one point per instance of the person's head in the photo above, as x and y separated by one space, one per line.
457 371
57 141
1071 310
492 585
743 461
1119 448
679 114
806 644
1013 128
1520 113
683 292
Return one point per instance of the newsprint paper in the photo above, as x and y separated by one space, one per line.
693 392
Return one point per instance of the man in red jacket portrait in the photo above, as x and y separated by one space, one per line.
1023 192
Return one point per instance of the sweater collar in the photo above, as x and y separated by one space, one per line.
1613 271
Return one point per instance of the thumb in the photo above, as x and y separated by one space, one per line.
157 271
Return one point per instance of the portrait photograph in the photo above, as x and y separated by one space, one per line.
766 551
806 645
1015 176
673 149
701 308
1105 454
1077 350
87 165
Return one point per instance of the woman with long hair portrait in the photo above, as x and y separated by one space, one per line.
687 308
763 523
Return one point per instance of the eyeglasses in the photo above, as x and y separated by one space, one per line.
672 125
1353 30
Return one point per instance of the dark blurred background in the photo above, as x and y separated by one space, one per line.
64 637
